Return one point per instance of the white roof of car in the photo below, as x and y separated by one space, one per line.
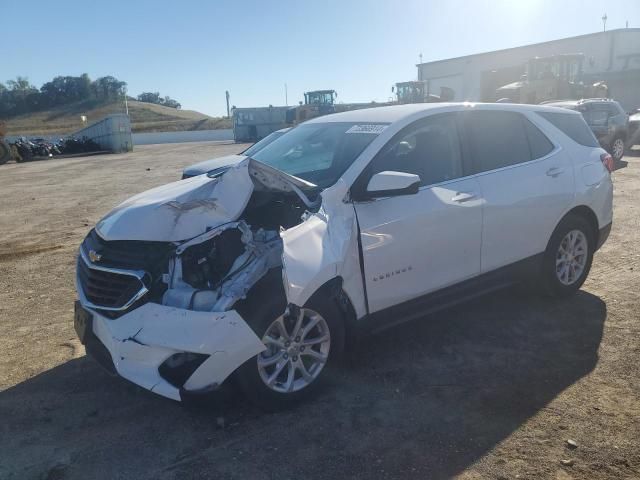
394 113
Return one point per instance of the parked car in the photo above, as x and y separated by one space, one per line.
222 163
606 118
634 130
348 224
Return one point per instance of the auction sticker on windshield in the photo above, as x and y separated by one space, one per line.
374 129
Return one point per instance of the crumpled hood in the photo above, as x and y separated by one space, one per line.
180 210
208 165
184 209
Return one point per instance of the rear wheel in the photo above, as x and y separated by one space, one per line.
568 257
617 148
302 346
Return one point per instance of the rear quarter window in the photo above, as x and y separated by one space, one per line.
573 126
539 144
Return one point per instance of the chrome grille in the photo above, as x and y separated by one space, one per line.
108 288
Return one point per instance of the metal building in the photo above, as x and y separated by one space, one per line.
612 57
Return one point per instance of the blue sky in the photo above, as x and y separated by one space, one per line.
195 50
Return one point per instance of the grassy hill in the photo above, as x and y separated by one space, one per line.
145 117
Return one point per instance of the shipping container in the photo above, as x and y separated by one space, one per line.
252 124
112 133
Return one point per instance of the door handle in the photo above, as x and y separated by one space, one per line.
554 171
462 197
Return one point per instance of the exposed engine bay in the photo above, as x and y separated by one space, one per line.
214 270
220 261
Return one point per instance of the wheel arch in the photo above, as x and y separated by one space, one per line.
333 290
586 213
621 133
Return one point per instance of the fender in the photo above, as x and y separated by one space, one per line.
323 247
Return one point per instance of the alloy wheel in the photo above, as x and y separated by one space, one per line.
571 257
618 148
297 351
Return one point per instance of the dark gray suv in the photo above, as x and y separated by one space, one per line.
606 118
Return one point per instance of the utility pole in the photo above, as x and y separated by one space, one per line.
420 69
126 104
604 22
226 94
286 99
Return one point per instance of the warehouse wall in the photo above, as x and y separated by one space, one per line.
613 54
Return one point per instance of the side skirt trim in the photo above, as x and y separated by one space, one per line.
449 296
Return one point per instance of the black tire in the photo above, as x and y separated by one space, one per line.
26 155
550 284
262 309
617 148
5 152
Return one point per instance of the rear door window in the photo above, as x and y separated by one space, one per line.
614 109
572 126
496 139
597 114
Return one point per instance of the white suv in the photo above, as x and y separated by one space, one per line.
346 224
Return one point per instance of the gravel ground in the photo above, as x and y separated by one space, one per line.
492 389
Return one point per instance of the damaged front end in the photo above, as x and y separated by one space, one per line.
160 275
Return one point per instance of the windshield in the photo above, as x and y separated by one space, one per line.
256 147
319 152
319 98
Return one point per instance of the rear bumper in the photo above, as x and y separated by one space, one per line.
603 234
634 136
136 345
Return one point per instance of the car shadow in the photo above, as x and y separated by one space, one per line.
426 399
619 164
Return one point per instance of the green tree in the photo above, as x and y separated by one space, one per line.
149 97
23 97
154 97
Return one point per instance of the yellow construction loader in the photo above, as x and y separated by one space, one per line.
558 77
417 92
316 103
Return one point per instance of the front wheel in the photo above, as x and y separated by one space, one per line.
568 257
302 345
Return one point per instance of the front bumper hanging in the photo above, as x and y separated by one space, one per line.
168 350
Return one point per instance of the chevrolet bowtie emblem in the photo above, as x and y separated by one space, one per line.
94 256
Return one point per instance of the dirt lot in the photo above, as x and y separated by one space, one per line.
492 389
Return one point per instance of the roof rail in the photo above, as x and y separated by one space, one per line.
583 100
558 101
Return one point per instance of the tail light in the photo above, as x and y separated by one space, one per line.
607 161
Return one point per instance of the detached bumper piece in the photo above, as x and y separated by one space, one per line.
170 351
100 354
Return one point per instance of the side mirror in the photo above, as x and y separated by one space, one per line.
389 184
